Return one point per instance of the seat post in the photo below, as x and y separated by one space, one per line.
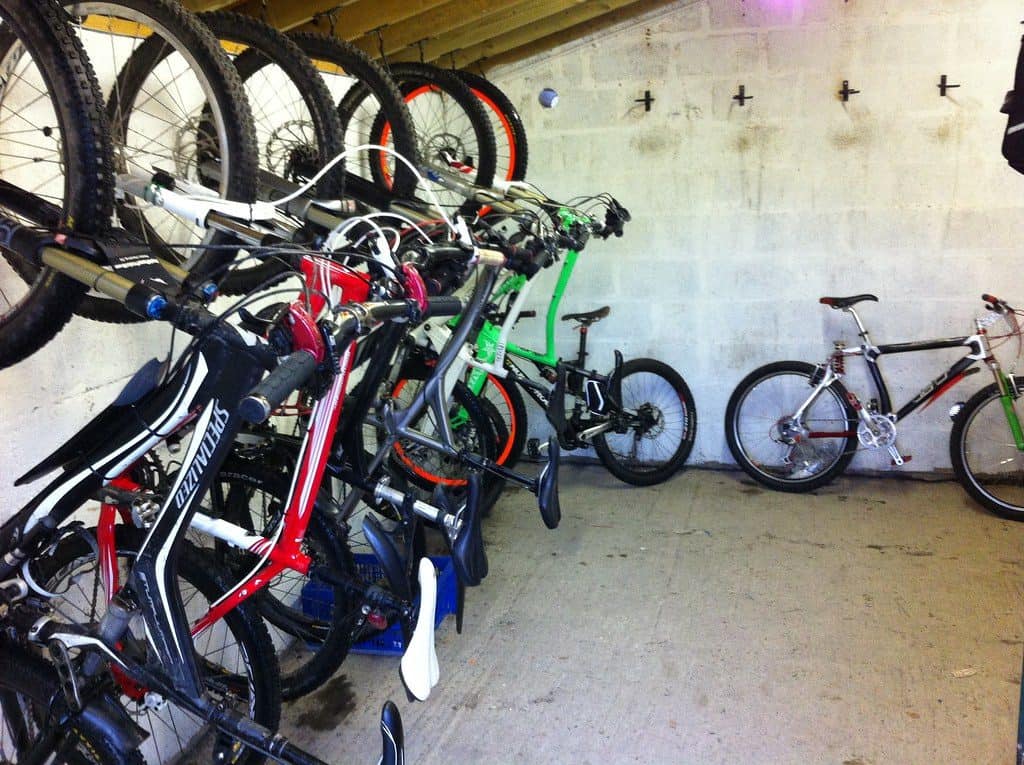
582 356
861 329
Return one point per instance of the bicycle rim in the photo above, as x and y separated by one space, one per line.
660 428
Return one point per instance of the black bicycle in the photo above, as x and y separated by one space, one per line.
794 426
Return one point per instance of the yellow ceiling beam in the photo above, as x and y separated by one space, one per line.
453 14
286 14
587 19
535 18
352 18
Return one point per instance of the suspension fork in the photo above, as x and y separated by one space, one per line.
1007 395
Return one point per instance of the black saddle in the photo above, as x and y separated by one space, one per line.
845 302
588 317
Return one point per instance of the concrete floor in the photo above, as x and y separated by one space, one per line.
710 621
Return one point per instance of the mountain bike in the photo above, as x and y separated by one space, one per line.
640 418
795 426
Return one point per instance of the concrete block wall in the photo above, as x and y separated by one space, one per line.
743 217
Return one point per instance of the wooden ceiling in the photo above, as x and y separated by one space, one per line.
468 34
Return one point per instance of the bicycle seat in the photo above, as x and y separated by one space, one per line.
845 302
588 317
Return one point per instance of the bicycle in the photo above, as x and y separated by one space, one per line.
640 418
794 426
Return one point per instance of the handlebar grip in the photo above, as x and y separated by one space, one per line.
990 299
443 306
486 257
271 392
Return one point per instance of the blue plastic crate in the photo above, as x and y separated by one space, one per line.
317 599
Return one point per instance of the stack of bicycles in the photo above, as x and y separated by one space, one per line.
359 388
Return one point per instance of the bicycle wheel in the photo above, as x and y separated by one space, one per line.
235 655
54 145
985 457
452 129
509 132
659 421
296 123
362 90
311 626
29 689
176 105
782 452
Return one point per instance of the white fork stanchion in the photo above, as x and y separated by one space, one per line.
419 669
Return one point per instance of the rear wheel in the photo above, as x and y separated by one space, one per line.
472 431
660 423
985 456
311 623
782 451
54 145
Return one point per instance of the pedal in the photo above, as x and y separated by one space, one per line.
533 447
547 488
419 668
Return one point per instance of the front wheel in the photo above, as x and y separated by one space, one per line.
985 456
783 451
660 423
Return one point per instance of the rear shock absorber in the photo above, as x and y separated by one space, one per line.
838 360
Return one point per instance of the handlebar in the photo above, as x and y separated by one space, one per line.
992 303
297 368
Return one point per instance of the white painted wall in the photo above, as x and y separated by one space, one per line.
743 217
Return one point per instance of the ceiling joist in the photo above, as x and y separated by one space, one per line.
463 33
587 19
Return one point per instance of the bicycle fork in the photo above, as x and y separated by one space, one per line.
1008 393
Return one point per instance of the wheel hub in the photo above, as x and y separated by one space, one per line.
650 421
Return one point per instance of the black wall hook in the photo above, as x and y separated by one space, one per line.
647 100
847 91
742 97
944 86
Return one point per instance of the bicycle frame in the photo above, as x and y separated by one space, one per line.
397 423
980 352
